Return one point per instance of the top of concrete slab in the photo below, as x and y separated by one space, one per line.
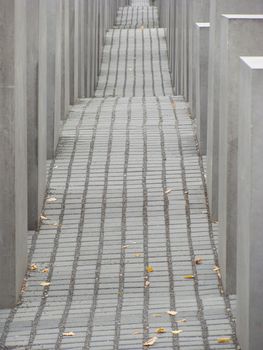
255 62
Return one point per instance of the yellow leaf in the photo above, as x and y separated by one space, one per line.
224 340
149 269
172 313
177 332
188 277
199 261
160 330
51 199
150 341
45 284
69 334
45 271
33 267
169 191
216 269
137 255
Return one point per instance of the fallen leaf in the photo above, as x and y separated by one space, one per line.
188 277
157 315
149 269
224 340
150 341
177 332
45 284
160 330
216 269
172 313
51 199
147 284
125 246
43 217
69 334
137 332
199 261
45 270
182 321
137 255
169 191
142 27
33 267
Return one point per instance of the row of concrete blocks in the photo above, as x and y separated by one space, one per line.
212 48
50 54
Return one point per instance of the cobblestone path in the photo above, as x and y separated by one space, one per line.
126 195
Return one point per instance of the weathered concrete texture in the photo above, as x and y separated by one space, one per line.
217 8
240 35
72 8
198 12
201 81
66 31
36 108
250 219
51 78
13 150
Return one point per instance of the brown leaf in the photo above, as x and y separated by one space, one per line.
149 269
69 334
43 217
224 340
45 270
199 261
147 284
150 341
160 330
216 269
172 313
177 332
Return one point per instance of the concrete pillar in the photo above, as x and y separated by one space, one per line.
72 5
76 50
36 107
59 92
66 56
218 7
51 73
201 80
250 203
198 12
13 150
240 35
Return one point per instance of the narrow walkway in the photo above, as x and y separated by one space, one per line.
126 217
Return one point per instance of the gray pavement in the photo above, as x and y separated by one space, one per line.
126 192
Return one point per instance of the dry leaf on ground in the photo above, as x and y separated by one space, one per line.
176 332
224 340
45 271
172 313
45 284
188 277
157 315
33 267
169 191
69 334
149 269
43 217
150 341
137 255
147 284
182 321
216 269
160 330
51 199
199 261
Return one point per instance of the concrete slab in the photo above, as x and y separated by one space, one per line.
240 35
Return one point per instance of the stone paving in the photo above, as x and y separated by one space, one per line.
125 218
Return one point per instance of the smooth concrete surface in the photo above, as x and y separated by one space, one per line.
72 6
198 12
51 74
67 56
240 35
36 108
201 81
217 8
250 202
76 50
13 150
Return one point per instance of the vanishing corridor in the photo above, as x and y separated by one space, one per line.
117 248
